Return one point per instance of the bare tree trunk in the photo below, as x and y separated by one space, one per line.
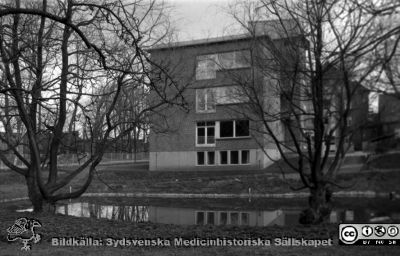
320 206
34 194
135 145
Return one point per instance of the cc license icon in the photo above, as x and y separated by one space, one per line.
349 234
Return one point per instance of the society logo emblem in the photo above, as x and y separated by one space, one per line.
380 231
348 234
24 230
367 231
392 231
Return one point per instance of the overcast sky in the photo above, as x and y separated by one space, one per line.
196 19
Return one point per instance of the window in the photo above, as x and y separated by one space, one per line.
205 134
245 218
234 218
234 129
226 129
206 158
208 98
200 218
210 157
223 218
208 65
234 157
205 100
236 59
210 218
245 156
230 95
223 157
200 158
242 128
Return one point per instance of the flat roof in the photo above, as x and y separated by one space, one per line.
210 40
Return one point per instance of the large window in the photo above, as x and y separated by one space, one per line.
235 59
230 95
234 129
205 134
208 98
208 65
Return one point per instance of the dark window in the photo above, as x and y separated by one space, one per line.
211 158
223 218
223 157
226 129
234 218
200 218
245 218
200 158
211 135
210 218
242 128
234 157
245 156
201 135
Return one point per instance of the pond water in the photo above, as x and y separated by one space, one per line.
227 212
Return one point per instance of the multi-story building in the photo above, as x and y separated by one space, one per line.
214 132
218 130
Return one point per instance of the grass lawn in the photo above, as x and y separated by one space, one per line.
124 178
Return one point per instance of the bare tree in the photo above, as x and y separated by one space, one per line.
54 60
308 61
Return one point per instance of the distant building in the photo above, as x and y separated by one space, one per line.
358 118
389 114
335 99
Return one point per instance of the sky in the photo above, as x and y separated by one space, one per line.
195 19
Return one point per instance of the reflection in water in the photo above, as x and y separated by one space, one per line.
193 216
111 212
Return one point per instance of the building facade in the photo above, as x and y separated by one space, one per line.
214 132
217 130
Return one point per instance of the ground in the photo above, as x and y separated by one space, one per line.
121 178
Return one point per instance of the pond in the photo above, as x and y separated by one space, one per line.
266 212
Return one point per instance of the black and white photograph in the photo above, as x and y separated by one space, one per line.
200 127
